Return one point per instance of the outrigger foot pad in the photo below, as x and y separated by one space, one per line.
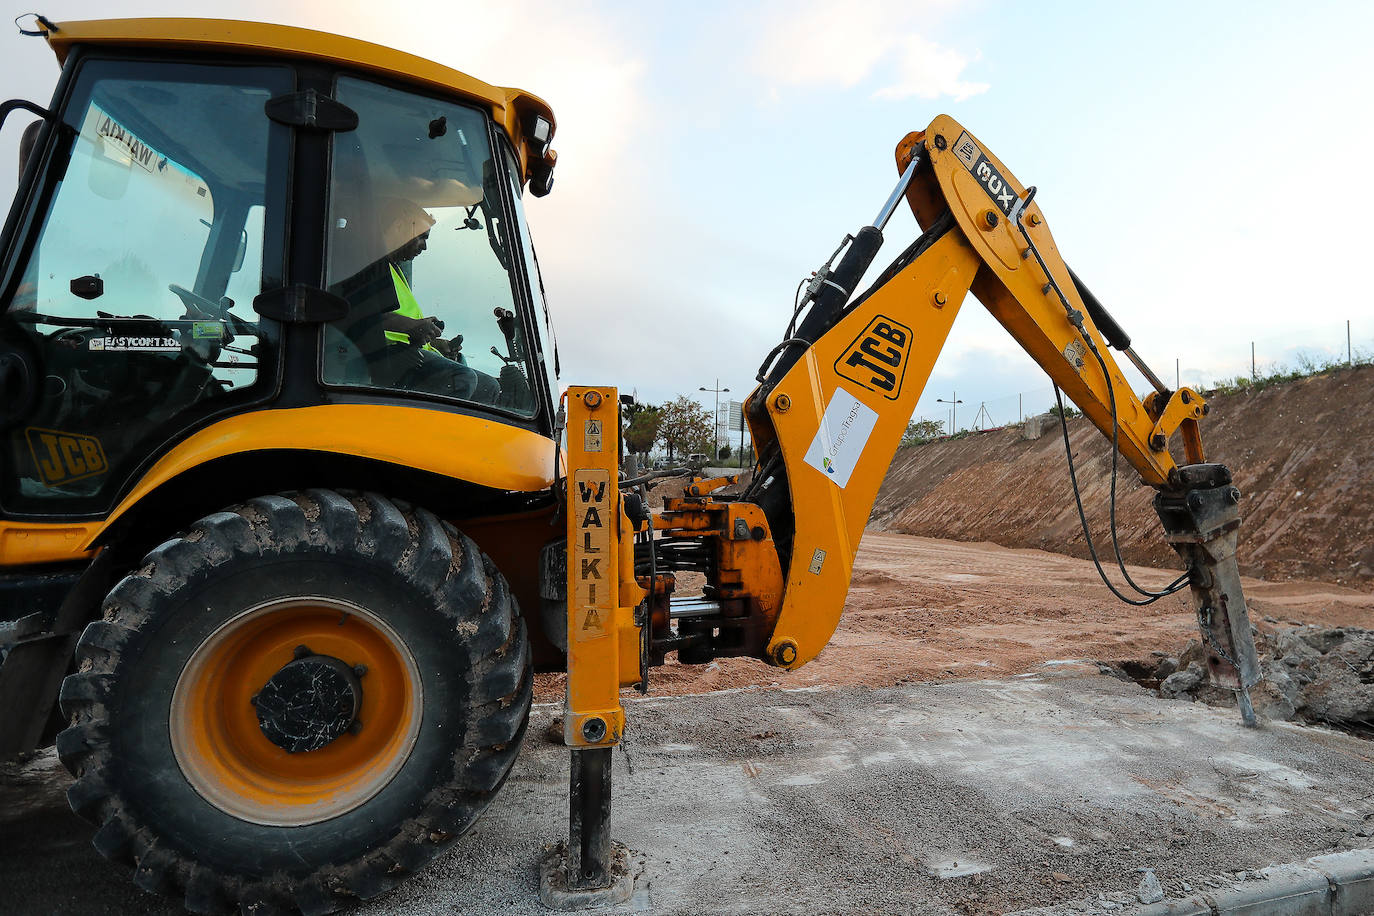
557 891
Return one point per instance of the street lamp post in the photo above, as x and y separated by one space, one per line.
953 411
715 417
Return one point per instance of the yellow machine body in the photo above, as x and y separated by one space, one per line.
486 538
509 107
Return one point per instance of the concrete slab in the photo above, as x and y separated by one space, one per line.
851 800
1351 875
866 801
1286 890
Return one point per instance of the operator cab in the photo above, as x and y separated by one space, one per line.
206 227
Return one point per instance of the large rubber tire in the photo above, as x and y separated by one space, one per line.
429 598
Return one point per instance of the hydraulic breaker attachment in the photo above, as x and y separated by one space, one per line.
1201 517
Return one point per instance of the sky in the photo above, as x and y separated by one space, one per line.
1201 165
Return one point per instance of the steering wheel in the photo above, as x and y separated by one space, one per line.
208 307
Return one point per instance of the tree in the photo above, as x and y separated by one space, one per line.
920 432
642 431
685 426
724 453
1069 411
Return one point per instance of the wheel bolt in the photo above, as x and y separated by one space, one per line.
360 670
302 651
355 727
785 653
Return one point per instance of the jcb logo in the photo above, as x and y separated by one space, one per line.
64 457
877 357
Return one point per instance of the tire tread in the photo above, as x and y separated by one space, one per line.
471 594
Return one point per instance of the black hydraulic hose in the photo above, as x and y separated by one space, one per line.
1175 586
1076 319
1116 454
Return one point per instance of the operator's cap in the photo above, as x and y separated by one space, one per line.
402 220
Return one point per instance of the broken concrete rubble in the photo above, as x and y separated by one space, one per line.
1319 675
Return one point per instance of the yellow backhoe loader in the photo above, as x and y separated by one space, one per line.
292 503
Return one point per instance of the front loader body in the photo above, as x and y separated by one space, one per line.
201 221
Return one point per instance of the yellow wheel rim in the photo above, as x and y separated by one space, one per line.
222 750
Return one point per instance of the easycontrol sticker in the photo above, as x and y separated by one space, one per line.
839 443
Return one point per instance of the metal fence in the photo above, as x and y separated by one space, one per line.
1352 343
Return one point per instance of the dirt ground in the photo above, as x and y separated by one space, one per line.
921 609
1302 454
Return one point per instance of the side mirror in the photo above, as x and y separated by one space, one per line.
541 174
241 252
29 140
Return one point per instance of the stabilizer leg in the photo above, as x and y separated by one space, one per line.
589 818
588 870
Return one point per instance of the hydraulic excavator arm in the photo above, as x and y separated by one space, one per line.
833 401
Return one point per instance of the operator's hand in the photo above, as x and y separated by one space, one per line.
453 349
423 330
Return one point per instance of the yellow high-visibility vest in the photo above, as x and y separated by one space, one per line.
409 306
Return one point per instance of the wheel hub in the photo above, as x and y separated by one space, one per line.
309 703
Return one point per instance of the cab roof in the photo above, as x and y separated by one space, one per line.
509 107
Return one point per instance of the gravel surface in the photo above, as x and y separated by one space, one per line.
839 797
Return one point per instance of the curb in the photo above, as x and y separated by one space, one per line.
1340 884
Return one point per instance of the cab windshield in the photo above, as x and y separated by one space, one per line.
420 248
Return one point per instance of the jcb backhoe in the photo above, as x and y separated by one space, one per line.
291 505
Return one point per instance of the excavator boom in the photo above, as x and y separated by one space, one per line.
833 402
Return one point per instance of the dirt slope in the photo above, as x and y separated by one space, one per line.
1302 454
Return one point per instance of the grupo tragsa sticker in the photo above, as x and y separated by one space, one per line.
840 441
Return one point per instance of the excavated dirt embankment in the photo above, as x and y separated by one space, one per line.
1302 454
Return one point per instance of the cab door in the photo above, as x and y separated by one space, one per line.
157 217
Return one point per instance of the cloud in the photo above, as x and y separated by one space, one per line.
813 45
927 71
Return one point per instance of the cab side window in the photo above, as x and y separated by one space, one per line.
136 296
420 248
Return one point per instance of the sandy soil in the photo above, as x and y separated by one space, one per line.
1302 454
921 609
